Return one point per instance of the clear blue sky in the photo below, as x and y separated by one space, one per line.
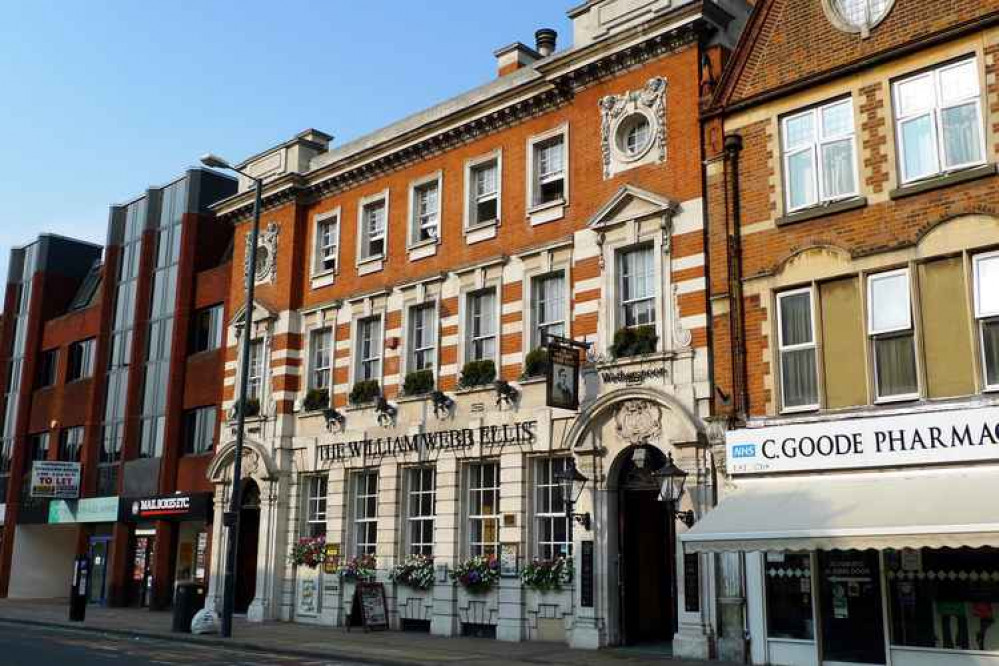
101 99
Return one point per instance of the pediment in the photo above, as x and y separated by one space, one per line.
260 313
632 203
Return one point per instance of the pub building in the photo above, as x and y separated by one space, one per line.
854 319
405 285
112 359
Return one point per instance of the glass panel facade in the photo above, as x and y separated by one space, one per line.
315 490
483 509
788 580
422 508
551 522
365 513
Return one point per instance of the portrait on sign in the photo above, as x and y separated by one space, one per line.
563 377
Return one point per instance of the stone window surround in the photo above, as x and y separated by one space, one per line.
428 246
547 212
464 511
373 263
481 232
538 264
316 273
413 300
362 309
484 276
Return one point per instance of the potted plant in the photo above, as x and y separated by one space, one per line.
308 552
535 364
416 571
251 408
477 574
634 341
547 575
365 391
418 382
478 373
362 567
316 400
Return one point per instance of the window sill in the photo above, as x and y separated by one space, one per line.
422 250
807 409
471 390
481 232
370 265
945 180
537 379
909 397
547 212
821 210
419 397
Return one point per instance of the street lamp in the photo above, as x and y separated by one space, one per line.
231 517
572 482
672 479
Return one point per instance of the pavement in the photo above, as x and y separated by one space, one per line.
327 644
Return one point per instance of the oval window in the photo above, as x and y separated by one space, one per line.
634 135
861 14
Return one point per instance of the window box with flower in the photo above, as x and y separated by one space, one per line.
547 575
360 568
478 575
417 571
308 552
316 400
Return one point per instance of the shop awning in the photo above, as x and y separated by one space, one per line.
938 509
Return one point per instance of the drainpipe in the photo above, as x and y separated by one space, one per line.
737 320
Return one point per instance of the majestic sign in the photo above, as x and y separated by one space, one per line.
55 480
924 438
562 385
184 506
442 440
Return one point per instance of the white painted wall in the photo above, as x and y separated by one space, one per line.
42 565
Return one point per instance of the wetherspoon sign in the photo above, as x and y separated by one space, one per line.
963 435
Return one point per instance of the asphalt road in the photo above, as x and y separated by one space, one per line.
42 646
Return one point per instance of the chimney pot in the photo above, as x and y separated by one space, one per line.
546 39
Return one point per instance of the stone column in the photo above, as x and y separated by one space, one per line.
511 624
446 530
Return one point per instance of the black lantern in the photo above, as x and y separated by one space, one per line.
673 478
572 482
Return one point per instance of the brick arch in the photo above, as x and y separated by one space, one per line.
784 266
959 231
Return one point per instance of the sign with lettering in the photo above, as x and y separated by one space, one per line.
924 438
55 480
562 385
369 608
443 440
586 575
639 376
179 507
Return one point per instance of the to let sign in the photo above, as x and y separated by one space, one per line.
55 480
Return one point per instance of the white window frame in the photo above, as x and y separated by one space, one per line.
781 348
363 240
416 221
323 247
619 286
982 315
534 339
466 323
471 199
873 333
535 179
411 350
938 106
415 490
815 148
315 504
362 518
255 371
552 487
379 345
88 353
475 485
316 365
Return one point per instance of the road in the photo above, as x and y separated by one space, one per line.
43 646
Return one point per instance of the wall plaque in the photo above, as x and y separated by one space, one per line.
691 582
586 575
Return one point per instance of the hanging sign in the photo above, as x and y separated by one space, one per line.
562 385
55 480
924 438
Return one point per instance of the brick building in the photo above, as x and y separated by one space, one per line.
852 232
405 282
113 360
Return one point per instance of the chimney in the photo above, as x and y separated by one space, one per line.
516 56
545 39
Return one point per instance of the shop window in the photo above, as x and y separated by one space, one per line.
81 360
891 332
369 349
789 596
636 287
481 322
819 160
422 338
71 444
483 187
421 509
208 326
315 490
199 430
365 513
255 374
327 245
944 598
321 351
938 121
548 164
550 519
373 230
426 211
796 339
987 314
548 307
483 509
850 608
47 368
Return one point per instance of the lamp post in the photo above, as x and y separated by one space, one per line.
673 479
231 517
572 483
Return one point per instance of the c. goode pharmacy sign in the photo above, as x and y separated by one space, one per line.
923 438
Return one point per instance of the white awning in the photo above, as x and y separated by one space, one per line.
934 509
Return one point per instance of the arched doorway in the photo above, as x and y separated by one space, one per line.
246 554
646 550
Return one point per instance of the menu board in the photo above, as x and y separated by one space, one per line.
369 608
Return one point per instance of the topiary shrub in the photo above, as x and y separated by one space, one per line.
316 399
365 391
536 363
419 382
478 373
634 341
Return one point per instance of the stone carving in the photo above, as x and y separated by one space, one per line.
251 463
266 265
681 336
650 101
638 422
